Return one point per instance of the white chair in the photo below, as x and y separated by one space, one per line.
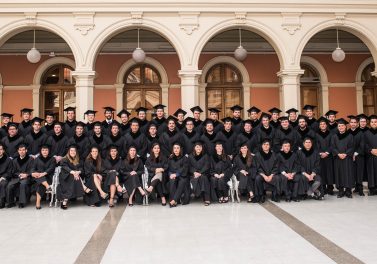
54 186
144 179
233 188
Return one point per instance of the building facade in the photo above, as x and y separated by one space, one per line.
87 61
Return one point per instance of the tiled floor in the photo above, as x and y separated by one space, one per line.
231 233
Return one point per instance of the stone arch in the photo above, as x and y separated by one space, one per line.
43 67
361 68
359 84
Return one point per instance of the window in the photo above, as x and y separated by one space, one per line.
369 90
58 90
224 88
142 88
310 88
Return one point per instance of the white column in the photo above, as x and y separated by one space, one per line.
290 88
189 88
36 98
202 98
325 97
246 98
119 96
165 95
84 92
359 97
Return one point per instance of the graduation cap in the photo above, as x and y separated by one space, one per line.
69 108
177 143
12 124
112 146
108 108
50 113
362 116
353 117
169 118
309 107
248 121
22 145
198 142
189 119
73 145
323 119
236 108
226 119
7 115
59 123
307 137
244 143
197 109
265 115
283 118
135 120
342 121
266 140
220 142
123 111
26 110
274 110
302 117
213 110
291 110
331 112
97 123
253 109
141 109
180 111
90 112
37 119
45 146
207 121
159 106
80 123
372 117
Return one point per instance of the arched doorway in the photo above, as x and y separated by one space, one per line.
142 88
58 90
310 83
224 88
369 90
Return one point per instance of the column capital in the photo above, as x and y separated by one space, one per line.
189 73
359 85
290 73
83 74
374 73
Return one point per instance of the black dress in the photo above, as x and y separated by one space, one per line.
112 169
90 168
6 174
246 183
359 153
167 139
179 185
41 165
152 164
68 187
11 144
200 185
138 140
59 145
132 182
219 186
189 139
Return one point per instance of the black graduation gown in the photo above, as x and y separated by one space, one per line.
198 126
3 131
303 133
200 185
209 142
309 162
118 141
69 128
255 124
35 141
266 163
189 139
112 169
219 186
323 145
217 126
48 129
179 185
106 126
83 145
333 128
275 124
89 129
68 187
6 173
24 128
237 125
264 133
90 169
250 139
11 144
59 144
41 165
313 124
167 139
371 160
143 126
101 142
290 134
246 183
343 169
160 124
151 140
152 164
229 139
180 126
138 140
293 124
359 148
287 163
125 128
132 182
16 186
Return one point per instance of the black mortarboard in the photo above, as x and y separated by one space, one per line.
226 119
214 110
283 118
22 145
265 115
253 109
302 117
372 117
12 124
141 109
171 118
88 112
7 115
80 123
353 117
124 111
199 142
196 108
236 108
322 119
73 145
274 110
50 113
342 121
159 106
189 119
108 108
180 111
361 116
331 112
135 120
291 110
309 107
207 121
37 119
70 108
26 110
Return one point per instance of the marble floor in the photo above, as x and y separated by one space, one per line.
220 233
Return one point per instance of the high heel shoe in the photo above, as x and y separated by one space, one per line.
38 207
64 205
104 197
111 202
172 205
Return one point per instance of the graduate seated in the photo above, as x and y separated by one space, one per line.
5 174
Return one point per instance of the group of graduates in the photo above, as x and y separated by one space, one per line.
294 156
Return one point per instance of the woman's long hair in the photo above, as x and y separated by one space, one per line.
222 155
153 157
249 157
98 161
172 155
128 158
74 160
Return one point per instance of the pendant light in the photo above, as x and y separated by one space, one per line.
138 54
33 56
338 55
240 53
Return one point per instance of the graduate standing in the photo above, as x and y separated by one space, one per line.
5 174
70 123
371 155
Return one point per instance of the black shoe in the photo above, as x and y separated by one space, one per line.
255 199
288 199
2 204
11 205
38 207
295 199
349 194
21 205
330 192
340 195
361 192
262 199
